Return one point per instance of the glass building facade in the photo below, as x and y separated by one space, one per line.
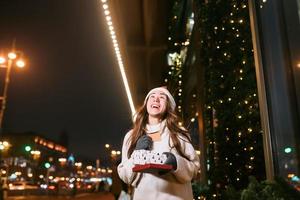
276 30
276 45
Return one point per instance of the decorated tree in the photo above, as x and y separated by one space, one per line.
212 75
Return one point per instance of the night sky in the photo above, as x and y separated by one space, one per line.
72 82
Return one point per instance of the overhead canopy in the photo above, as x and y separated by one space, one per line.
142 31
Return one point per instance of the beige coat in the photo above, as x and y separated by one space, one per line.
175 185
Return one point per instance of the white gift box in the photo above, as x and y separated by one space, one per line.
142 157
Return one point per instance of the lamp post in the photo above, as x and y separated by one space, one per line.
8 62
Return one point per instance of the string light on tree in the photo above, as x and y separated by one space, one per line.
222 73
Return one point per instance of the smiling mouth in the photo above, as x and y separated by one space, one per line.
154 106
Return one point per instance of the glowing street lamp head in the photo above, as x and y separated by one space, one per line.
12 55
20 63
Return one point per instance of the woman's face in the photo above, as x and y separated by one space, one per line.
156 104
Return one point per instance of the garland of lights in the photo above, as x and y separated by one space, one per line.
117 52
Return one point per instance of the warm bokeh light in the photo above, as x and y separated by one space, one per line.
78 164
20 63
5 143
105 6
36 152
89 167
106 12
107 146
113 152
12 55
62 160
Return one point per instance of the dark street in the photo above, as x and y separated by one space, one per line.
84 196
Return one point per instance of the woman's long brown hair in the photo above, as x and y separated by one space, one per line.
172 123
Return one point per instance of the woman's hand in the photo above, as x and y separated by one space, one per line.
171 160
144 142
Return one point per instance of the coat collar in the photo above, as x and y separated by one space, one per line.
156 127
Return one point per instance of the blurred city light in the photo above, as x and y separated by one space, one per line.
288 150
47 165
35 152
4 145
89 167
27 148
62 160
78 164
113 152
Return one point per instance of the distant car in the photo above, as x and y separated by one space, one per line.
50 186
88 186
22 186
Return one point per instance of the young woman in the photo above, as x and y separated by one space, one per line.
156 128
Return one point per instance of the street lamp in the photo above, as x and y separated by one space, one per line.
13 58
